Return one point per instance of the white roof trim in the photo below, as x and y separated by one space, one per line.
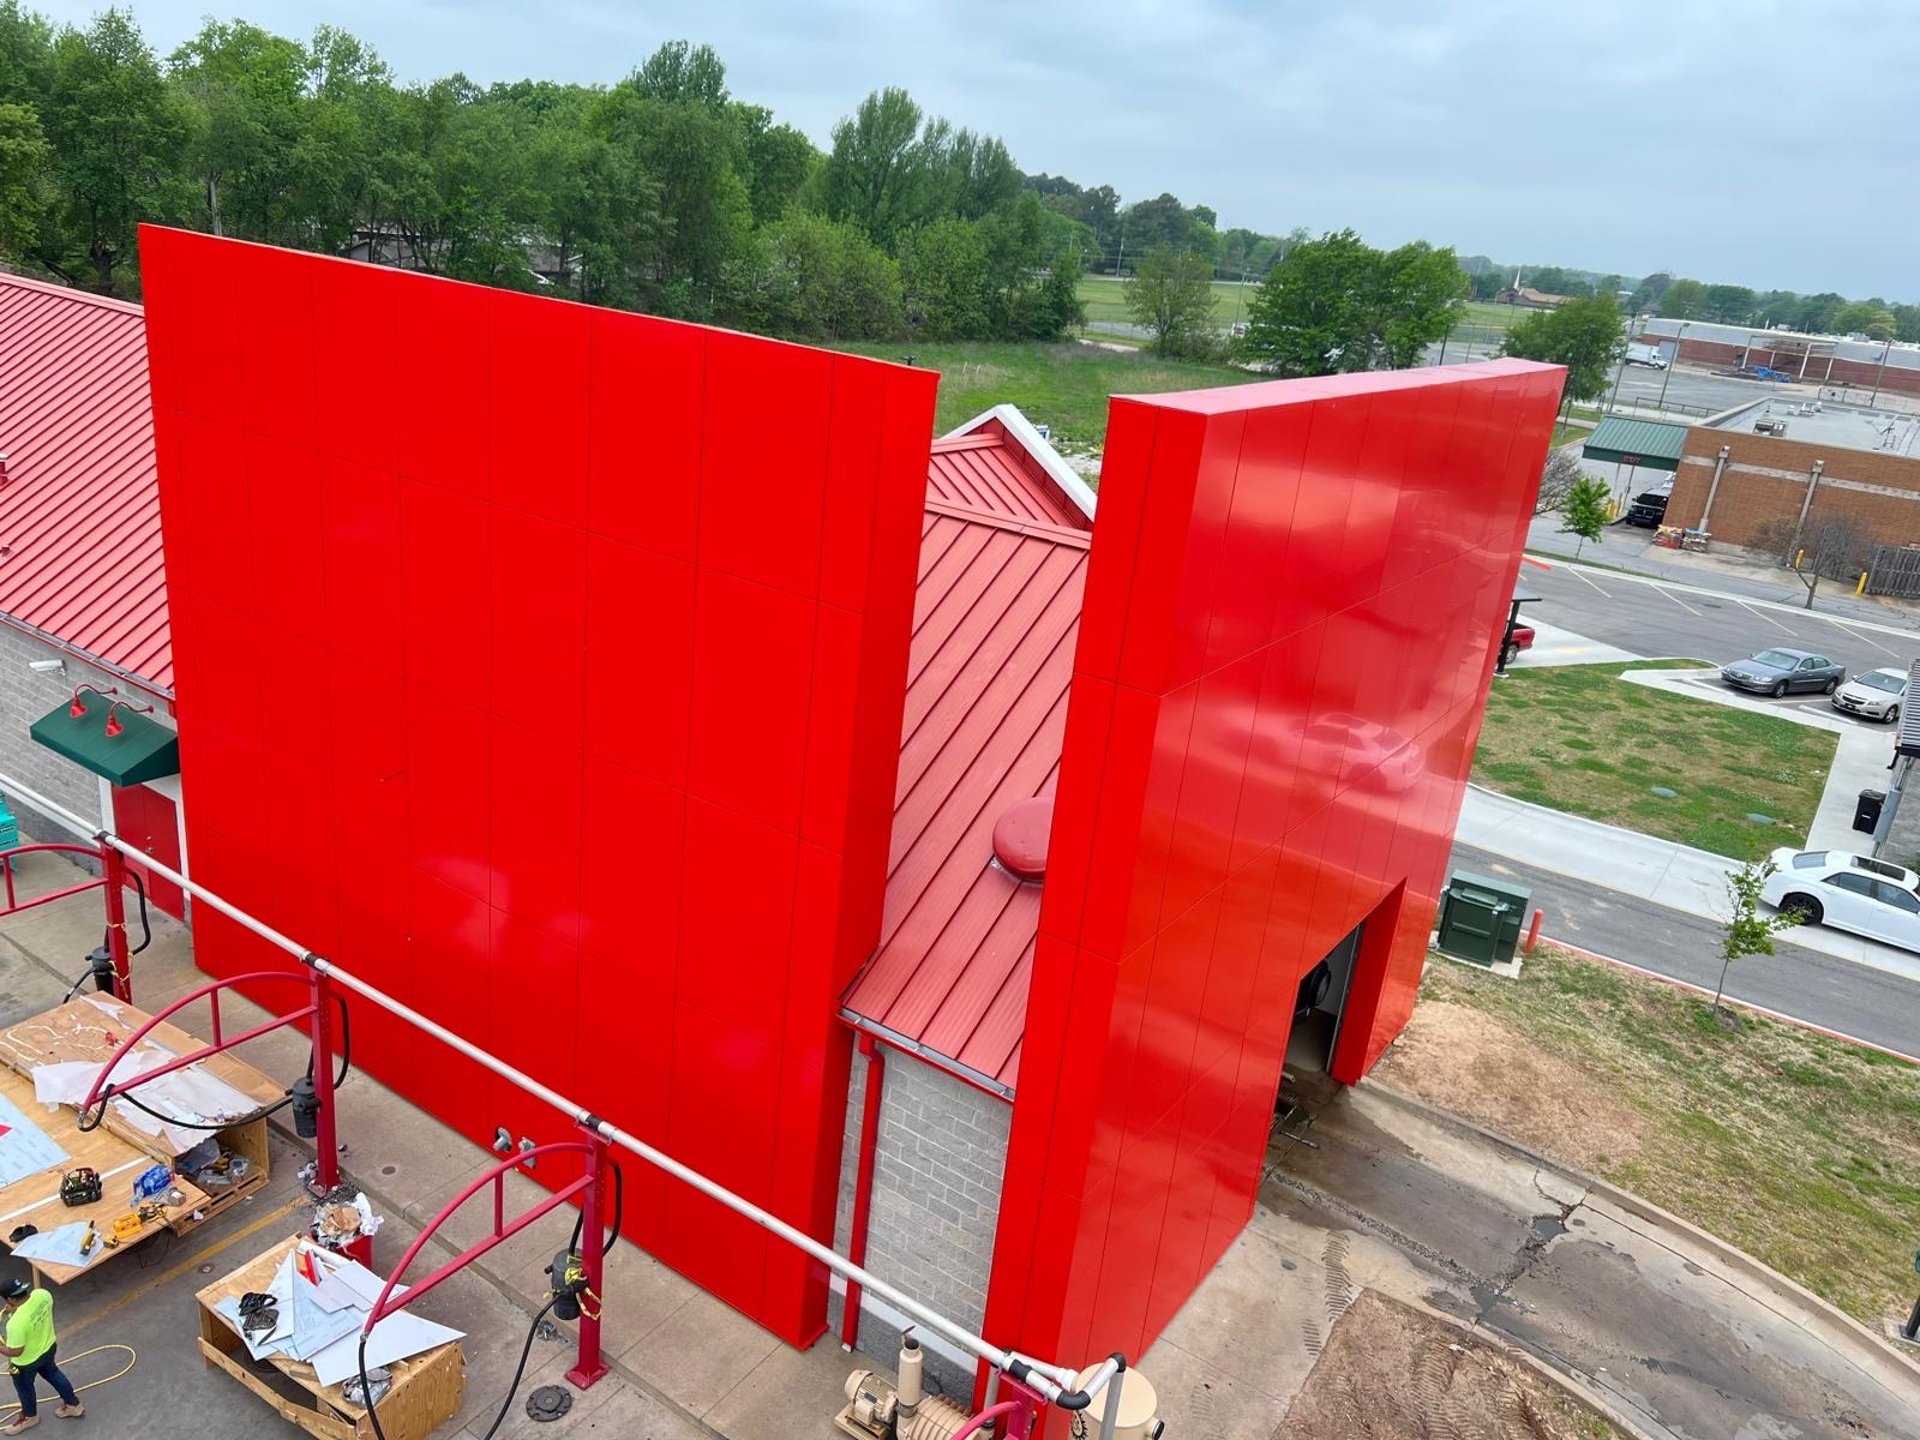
1035 444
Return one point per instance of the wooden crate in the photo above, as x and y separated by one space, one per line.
249 1140
426 1392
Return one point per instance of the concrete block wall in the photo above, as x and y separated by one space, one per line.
25 695
938 1168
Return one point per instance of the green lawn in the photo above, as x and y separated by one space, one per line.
1801 1150
1578 738
1063 386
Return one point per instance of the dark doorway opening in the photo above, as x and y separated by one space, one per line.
1319 1006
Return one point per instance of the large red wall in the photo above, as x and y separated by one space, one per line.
544 666
1292 604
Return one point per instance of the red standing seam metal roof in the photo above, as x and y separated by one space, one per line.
986 467
80 512
995 620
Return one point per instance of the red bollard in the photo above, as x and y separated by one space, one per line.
1533 931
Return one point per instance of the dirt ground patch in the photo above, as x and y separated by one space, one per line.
1464 1060
1390 1372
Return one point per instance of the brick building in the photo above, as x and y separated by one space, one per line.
1832 362
1868 473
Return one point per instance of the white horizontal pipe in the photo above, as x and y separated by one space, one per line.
1043 1375
52 809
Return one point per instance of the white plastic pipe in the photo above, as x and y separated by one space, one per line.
1050 1380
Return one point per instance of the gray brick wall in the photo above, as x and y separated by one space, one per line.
26 695
938 1166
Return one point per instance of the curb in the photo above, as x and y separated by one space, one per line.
1852 1330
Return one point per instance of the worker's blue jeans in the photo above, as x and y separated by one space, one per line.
25 1375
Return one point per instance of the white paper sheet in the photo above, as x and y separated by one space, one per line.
56 1247
395 1338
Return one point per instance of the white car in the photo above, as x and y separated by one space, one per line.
1848 892
1874 694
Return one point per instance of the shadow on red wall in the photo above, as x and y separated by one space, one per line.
1291 610
544 666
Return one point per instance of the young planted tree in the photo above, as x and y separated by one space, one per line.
1586 510
1171 295
1750 929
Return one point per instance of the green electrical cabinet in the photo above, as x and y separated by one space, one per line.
1480 918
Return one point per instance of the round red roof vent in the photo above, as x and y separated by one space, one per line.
1020 837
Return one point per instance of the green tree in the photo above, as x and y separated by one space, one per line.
1683 300
1871 318
1337 305
1585 510
1313 314
780 162
1420 294
244 104
25 160
1728 305
947 280
873 176
1171 295
1162 223
679 73
1749 929
117 132
824 280
1587 336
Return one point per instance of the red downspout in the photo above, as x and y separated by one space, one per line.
863 1185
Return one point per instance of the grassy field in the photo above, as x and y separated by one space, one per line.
1579 739
1802 1151
1063 386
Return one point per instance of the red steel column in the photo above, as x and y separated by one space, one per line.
114 865
863 1186
326 1140
593 1235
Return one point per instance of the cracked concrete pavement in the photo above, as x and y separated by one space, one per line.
1672 1335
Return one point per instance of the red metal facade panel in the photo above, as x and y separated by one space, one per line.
591 755
988 470
80 513
1291 610
997 611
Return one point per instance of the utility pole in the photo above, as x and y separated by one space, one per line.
1667 374
1881 374
1614 399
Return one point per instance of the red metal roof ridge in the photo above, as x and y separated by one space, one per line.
1059 534
69 292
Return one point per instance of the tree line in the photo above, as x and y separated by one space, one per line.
661 193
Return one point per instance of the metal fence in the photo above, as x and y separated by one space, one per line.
1894 570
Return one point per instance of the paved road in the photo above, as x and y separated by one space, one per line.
1821 989
1688 1345
1654 618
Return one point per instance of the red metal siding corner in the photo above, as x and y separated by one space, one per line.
1291 605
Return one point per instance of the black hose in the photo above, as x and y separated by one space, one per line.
519 1373
146 928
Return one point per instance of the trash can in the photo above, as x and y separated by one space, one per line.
1866 810
1480 918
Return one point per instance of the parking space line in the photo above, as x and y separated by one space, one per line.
1858 636
1676 600
1754 610
192 1262
1580 574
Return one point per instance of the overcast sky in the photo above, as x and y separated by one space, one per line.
1755 142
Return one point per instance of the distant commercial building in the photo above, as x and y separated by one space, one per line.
1527 298
1826 360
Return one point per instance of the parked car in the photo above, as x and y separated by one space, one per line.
1649 507
1775 672
1874 694
1848 892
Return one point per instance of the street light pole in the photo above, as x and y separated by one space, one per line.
1667 374
1614 398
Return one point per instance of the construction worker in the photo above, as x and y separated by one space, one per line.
27 1314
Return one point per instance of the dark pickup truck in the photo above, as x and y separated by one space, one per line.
1649 507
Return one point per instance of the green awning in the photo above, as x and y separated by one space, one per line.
143 750
1650 444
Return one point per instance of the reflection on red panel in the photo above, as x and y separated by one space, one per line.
1287 635
505 678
